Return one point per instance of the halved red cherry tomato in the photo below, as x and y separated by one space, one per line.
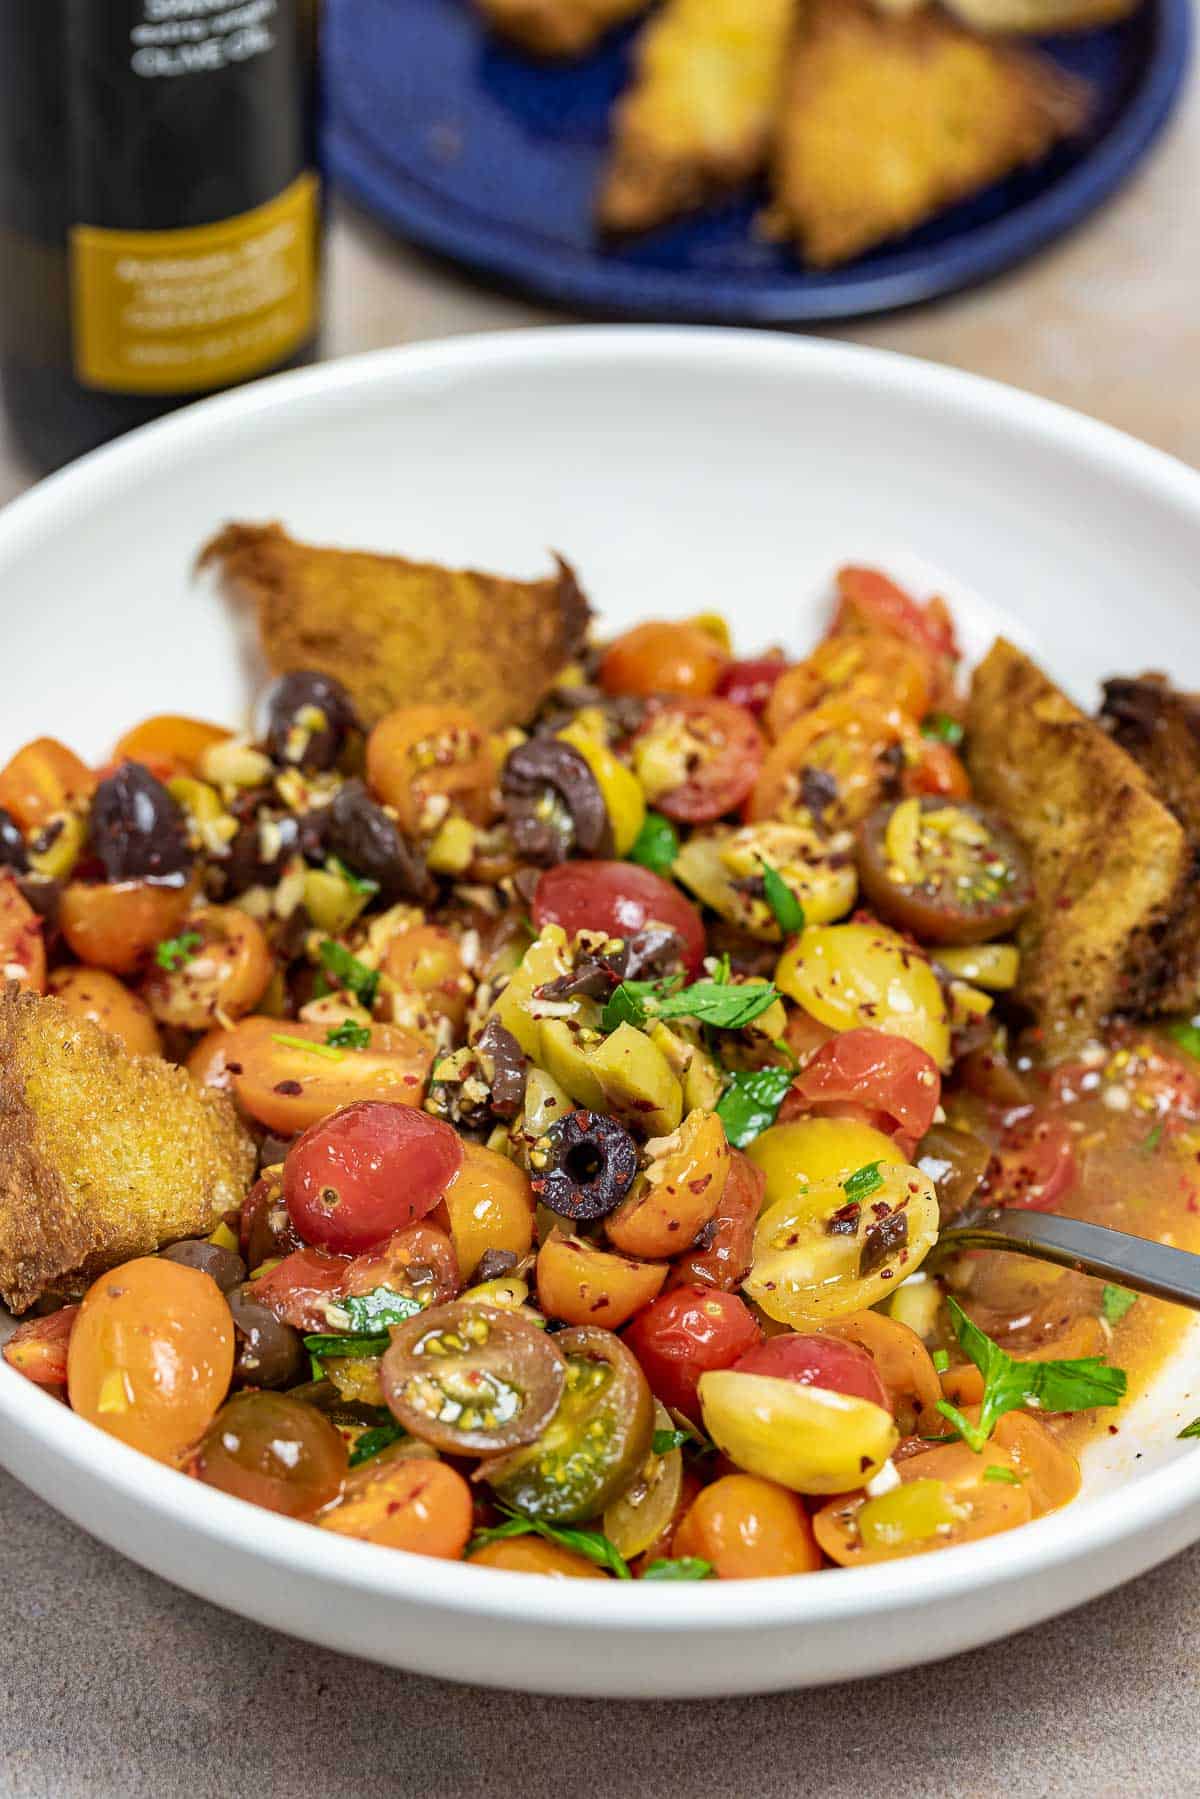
934 769
688 1332
818 1362
749 683
698 759
38 1348
355 1178
22 947
619 898
663 656
1034 1167
726 1244
873 1077
418 1262
868 601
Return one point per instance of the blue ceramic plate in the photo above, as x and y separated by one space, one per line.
486 156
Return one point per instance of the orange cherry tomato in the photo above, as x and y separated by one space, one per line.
424 970
151 1356
22 945
1050 1473
94 993
671 1202
584 1285
727 1249
487 1205
882 669
405 1503
118 925
288 1085
38 1348
43 779
532 1555
208 1063
832 762
870 604
904 1364
664 657
220 976
427 761
169 741
273 1451
749 1529
932 767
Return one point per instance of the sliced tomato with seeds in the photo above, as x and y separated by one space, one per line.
473 1379
869 601
873 1077
698 759
1034 1167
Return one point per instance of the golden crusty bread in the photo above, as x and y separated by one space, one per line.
1108 857
886 120
698 115
103 1155
557 27
399 633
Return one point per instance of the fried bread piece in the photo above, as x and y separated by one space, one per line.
698 116
557 27
886 120
103 1156
399 633
1108 858
1160 729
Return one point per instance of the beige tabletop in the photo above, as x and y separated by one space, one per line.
113 1683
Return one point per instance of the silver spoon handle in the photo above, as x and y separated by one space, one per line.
1091 1248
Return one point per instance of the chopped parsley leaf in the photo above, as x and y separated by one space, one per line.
351 975
375 1311
356 883
942 729
789 913
667 1440
1008 1384
349 1035
325 1049
684 1567
1186 1033
1116 1301
369 1444
1151 1140
657 844
941 1361
1192 1429
863 1182
174 952
994 1471
590 1543
751 1102
728 1006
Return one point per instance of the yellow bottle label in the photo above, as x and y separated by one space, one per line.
165 312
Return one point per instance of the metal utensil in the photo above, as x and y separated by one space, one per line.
1091 1248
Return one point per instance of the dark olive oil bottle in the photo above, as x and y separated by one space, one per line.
159 208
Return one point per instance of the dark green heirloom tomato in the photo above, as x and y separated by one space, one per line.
471 1378
593 1446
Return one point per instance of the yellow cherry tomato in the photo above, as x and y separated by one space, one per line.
720 867
151 1356
489 1205
635 1521
812 1152
850 976
810 1439
826 1253
620 790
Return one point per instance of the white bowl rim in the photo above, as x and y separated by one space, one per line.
1086 1528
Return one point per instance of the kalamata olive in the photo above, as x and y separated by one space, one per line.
44 895
359 832
259 851
509 1068
309 716
583 1166
544 768
12 844
223 1265
269 1353
944 870
266 1229
272 1150
136 829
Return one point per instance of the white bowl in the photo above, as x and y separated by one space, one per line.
681 471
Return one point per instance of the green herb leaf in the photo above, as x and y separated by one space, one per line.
349 1035
728 1006
994 1471
1192 1429
789 913
351 975
309 1048
1072 1386
751 1102
356 883
174 952
375 1311
942 729
941 1361
863 1182
684 1567
590 1543
1151 1141
657 844
667 1440
1186 1033
1116 1301
321 1346
372 1441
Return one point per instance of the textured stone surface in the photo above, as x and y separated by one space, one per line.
114 1684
